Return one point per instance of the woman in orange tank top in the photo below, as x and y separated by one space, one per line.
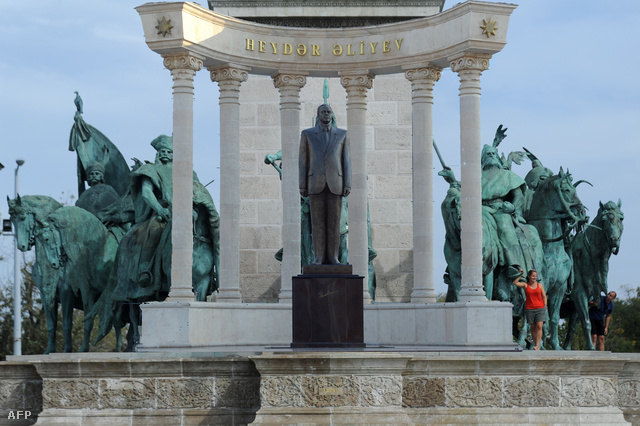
535 304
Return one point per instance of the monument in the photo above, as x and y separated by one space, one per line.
327 297
240 373
325 177
390 49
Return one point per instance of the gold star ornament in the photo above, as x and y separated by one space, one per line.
489 27
164 27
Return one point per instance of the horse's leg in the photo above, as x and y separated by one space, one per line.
134 316
51 312
554 301
582 310
117 325
88 301
67 300
130 339
202 266
571 330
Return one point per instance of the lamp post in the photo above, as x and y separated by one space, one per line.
17 294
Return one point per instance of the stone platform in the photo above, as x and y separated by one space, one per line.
472 326
338 387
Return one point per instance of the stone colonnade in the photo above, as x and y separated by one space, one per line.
229 78
462 38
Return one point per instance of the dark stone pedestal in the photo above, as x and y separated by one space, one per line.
327 308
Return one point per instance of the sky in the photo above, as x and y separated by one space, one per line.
565 86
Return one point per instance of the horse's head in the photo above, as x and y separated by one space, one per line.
557 198
49 241
611 217
568 203
29 213
23 223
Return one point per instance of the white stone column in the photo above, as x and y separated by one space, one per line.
289 86
183 68
229 78
422 81
357 84
469 69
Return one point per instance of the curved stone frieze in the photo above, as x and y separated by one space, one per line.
384 49
381 391
474 392
70 393
588 392
281 391
629 393
423 392
531 392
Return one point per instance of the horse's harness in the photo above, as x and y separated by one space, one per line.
49 236
563 215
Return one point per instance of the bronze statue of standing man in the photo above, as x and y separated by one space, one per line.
325 177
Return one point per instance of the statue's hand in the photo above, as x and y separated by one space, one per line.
516 157
507 207
447 174
500 135
165 214
346 191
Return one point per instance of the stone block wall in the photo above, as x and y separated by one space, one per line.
20 392
324 387
389 170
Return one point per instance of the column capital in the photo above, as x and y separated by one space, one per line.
424 73
360 80
293 80
182 61
229 72
468 62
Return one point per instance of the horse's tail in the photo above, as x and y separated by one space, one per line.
105 309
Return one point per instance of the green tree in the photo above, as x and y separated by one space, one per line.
624 328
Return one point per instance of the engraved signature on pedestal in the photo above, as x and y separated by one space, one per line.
326 293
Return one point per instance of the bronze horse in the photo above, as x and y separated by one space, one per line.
557 213
591 250
66 272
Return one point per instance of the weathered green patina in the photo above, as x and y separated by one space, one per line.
74 257
92 145
591 251
540 227
143 262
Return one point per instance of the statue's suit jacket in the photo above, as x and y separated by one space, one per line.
320 164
